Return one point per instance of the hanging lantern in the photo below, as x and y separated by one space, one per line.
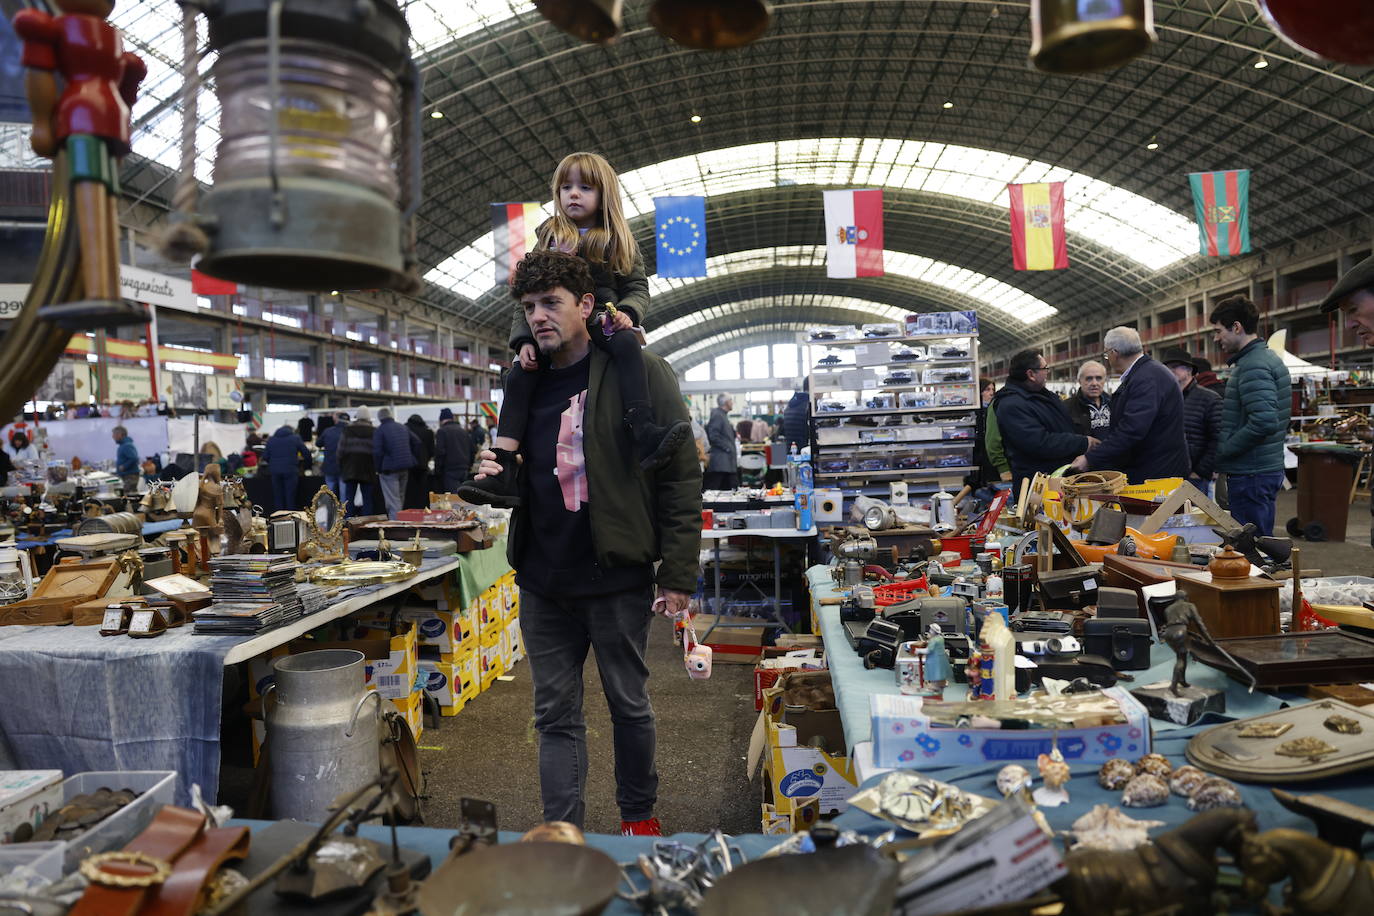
711 25
1080 36
596 21
1337 30
310 190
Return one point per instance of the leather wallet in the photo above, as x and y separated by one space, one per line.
1124 641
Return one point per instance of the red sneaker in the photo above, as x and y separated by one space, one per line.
650 827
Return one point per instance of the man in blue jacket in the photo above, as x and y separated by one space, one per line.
281 453
1145 438
1037 434
395 450
1254 414
329 445
126 460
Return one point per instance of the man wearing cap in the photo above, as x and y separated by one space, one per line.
1207 378
453 452
1201 417
1353 294
1254 414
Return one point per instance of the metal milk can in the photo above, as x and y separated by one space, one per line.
322 742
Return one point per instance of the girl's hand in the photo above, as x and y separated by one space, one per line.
529 360
621 321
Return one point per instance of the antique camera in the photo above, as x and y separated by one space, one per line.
1068 588
860 605
698 662
1054 645
878 645
1123 641
1043 622
950 613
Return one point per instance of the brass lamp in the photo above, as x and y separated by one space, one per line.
1080 36
596 21
711 25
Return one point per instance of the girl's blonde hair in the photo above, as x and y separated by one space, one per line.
610 241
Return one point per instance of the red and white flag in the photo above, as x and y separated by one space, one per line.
854 233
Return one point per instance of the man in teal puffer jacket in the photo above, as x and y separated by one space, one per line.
1254 414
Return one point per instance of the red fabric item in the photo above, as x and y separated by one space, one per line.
206 285
651 827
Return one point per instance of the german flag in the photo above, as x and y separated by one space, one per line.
512 229
1037 226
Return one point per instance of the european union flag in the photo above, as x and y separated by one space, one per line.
681 236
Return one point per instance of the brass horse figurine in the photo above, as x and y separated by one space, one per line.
1176 874
1326 880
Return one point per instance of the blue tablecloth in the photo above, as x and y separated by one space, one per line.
78 701
854 684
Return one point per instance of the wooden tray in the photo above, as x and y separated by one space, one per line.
1295 659
1353 752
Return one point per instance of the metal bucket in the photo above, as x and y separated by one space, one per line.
321 742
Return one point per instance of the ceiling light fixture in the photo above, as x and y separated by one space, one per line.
696 119
948 104
1261 63
436 115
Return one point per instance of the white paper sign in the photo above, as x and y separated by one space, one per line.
12 299
156 289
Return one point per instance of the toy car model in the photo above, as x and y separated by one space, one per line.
908 463
902 356
899 377
822 335
952 353
830 360
834 466
880 402
873 464
949 461
882 330
953 400
828 423
825 406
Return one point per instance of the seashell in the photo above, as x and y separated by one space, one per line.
1054 772
1012 778
1215 792
1186 779
1156 764
1106 827
1115 773
1146 790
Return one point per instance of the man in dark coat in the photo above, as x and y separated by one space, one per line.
1037 433
331 437
1353 294
453 452
395 450
355 461
1201 417
1090 407
796 416
1145 440
417 484
723 464
281 453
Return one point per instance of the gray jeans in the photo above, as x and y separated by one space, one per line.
557 634
393 490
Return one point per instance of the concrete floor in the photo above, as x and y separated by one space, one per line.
489 750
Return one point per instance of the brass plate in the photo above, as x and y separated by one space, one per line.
362 572
1311 750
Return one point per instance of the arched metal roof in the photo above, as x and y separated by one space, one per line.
515 95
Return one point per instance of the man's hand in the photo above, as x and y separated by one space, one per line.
529 357
1080 463
672 604
1094 442
489 466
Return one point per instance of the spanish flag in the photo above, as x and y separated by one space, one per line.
1037 226
512 229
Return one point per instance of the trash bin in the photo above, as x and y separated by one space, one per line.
1326 473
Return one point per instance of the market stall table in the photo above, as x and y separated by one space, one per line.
775 536
113 703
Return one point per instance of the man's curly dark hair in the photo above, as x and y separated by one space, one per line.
541 271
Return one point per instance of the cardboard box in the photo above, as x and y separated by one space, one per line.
468 669
390 660
440 681
515 649
735 645
493 662
27 797
410 709
444 630
805 812
797 775
903 737
778 661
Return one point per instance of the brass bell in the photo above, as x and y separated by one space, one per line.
711 25
590 20
1079 36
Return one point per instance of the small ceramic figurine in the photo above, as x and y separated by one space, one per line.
997 637
980 670
938 668
1054 772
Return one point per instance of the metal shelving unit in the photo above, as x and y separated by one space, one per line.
866 434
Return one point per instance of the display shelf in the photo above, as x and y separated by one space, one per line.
893 363
892 475
851 341
885 411
905 445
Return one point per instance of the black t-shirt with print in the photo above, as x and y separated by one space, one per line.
559 557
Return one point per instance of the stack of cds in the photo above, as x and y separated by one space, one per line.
314 598
251 592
